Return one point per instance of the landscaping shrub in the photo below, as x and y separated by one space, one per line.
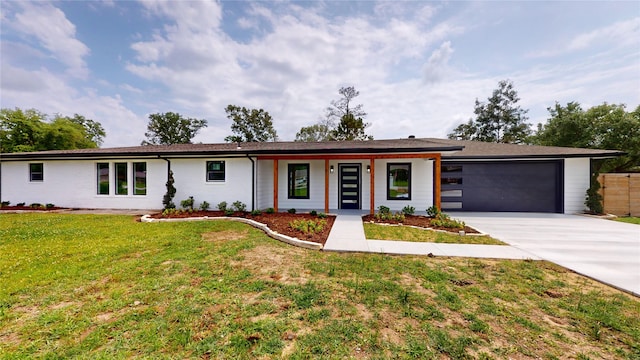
270 210
322 215
593 200
187 204
444 220
49 206
291 211
239 206
433 211
5 203
35 206
313 212
408 210
308 226
384 209
204 206
222 206
228 212
167 199
256 212
20 204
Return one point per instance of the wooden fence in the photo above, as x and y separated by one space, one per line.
621 193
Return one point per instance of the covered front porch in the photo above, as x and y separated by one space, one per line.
349 181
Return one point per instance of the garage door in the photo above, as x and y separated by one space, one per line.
526 186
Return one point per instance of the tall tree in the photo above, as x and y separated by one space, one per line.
171 128
498 120
250 125
605 126
343 121
30 130
316 132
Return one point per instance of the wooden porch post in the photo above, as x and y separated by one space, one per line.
436 181
275 185
372 186
326 186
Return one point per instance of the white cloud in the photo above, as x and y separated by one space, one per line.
621 33
436 66
54 32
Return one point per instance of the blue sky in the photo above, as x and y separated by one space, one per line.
419 66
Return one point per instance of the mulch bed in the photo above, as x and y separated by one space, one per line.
278 222
418 221
28 208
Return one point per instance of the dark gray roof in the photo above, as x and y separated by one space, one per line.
453 149
486 150
252 148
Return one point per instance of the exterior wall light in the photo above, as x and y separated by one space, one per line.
331 169
368 169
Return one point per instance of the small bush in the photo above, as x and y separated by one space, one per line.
384 209
313 212
222 206
6 203
187 204
408 210
322 215
228 212
35 206
593 200
308 226
256 212
270 210
20 204
49 206
291 211
169 212
433 211
444 220
239 206
204 206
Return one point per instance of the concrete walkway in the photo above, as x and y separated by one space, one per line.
347 234
605 250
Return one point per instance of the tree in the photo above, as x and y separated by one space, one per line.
316 132
498 120
605 126
30 130
349 120
167 199
171 128
250 125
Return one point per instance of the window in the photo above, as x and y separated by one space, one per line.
298 181
215 171
121 179
103 178
140 178
399 181
36 172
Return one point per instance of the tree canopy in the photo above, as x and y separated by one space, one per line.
31 130
172 128
605 126
250 125
349 120
498 120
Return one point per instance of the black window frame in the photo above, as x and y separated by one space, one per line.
389 197
99 187
33 174
136 177
211 172
291 170
118 178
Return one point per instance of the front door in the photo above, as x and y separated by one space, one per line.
349 187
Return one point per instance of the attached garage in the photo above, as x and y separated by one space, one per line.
522 186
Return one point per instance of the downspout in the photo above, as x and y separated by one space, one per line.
253 182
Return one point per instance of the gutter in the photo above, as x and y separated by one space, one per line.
253 182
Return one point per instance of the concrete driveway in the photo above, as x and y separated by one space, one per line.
606 250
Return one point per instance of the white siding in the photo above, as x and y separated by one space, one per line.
190 180
265 184
316 186
576 182
421 184
73 184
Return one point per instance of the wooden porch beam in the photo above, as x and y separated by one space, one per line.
372 187
437 182
326 186
350 156
275 184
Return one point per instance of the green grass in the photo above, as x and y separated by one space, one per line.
406 233
630 220
102 286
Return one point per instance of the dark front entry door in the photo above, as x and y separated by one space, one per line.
349 191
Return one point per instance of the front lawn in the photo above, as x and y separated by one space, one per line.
104 286
406 233
630 220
